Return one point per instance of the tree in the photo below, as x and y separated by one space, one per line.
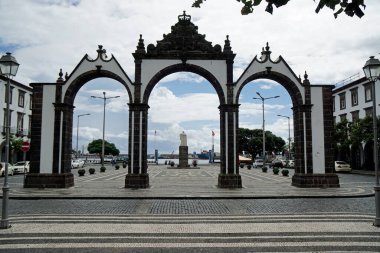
252 141
350 7
95 147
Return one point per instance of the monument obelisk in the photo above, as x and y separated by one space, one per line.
183 151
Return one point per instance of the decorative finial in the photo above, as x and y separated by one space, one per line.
66 76
140 49
305 76
265 53
184 17
227 46
101 52
60 79
267 47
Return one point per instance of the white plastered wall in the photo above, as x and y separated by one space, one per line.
47 129
279 67
86 66
318 135
150 67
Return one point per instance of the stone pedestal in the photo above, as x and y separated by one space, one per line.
328 180
49 180
137 181
183 157
229 181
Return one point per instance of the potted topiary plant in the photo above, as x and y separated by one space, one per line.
117 166
91 170
264 169
124 165
276 170
249 166
241 165
102 169
285 173
172 164
81 172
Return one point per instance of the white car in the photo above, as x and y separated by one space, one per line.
342 166
258 163
21 167
2 169
290 163
77 164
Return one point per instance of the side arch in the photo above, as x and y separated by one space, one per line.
184 68
77 83
286 82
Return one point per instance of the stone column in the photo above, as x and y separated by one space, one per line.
229 124
137 176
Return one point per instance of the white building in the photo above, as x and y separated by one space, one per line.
353 101
20 111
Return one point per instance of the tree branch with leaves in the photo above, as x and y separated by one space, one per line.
349 7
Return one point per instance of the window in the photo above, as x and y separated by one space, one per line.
342 101
333 104
368 111
343 117
10 119
21 98
368 92
355 116
354 97
10 95
30 101
20 123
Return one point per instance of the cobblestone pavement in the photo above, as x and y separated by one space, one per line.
62 220
192 183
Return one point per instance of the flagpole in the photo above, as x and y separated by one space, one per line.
212 153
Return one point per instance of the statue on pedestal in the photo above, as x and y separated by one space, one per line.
183 138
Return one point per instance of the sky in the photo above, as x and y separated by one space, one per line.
46 35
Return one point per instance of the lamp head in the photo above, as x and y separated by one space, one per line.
372 69
8 65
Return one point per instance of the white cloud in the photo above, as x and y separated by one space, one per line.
170 109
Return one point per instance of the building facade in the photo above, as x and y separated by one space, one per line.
20 105
353 101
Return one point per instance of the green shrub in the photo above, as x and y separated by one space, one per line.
264 169
276 170
81 172
91 170
241 165
285 173
117 166
102 169
124 165
249 166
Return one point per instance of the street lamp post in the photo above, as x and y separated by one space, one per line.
8 68
262 100
80 115
289 132
104 120
372 72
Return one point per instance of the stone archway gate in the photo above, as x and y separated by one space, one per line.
184 49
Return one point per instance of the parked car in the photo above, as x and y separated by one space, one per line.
278 163
21 167
290 164
77 164
2 169
342 166
258 163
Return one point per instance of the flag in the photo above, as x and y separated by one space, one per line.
213 134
